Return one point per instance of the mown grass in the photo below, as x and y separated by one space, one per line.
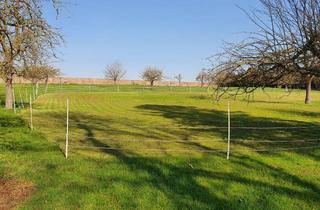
176 174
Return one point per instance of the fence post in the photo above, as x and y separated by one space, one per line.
33 93
67 129
14 102
21 100
26 93
30 108
229 131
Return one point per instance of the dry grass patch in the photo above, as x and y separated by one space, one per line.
13 192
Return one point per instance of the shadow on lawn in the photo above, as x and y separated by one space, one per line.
195 187
180 182
192 116
301 113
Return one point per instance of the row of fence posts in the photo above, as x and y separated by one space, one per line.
14 101
67 124
67 128
33 96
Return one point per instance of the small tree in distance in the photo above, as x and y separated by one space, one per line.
152 74
36 73
178 78
114 72
50 72
202 77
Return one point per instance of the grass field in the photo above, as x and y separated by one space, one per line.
163 148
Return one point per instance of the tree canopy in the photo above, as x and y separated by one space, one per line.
286 44
152 74
26 38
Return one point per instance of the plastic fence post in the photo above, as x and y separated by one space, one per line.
30 108
67 130
229 131
14 101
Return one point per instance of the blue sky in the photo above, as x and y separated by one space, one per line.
175 35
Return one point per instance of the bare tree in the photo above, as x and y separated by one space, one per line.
152 74
114 72
202 77
287 43
178 78
25 36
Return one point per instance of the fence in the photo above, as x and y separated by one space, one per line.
22 92
315 142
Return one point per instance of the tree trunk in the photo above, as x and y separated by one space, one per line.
9 94
46 81
151 83
308 89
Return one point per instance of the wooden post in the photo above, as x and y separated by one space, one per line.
67 129
30 107
229 131
14 102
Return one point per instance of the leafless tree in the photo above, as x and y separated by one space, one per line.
287 43
202 77
178 78
152 74
25 36
114 72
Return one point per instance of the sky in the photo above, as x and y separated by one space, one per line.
176 36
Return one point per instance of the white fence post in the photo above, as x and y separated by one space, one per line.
26 93
30 108
14 102
21 100
229 131
67 130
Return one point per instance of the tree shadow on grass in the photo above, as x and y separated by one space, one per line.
180 182
302 113
281 130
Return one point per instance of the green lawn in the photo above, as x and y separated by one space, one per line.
163 148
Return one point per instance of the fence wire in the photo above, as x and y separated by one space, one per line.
203 140
193 150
